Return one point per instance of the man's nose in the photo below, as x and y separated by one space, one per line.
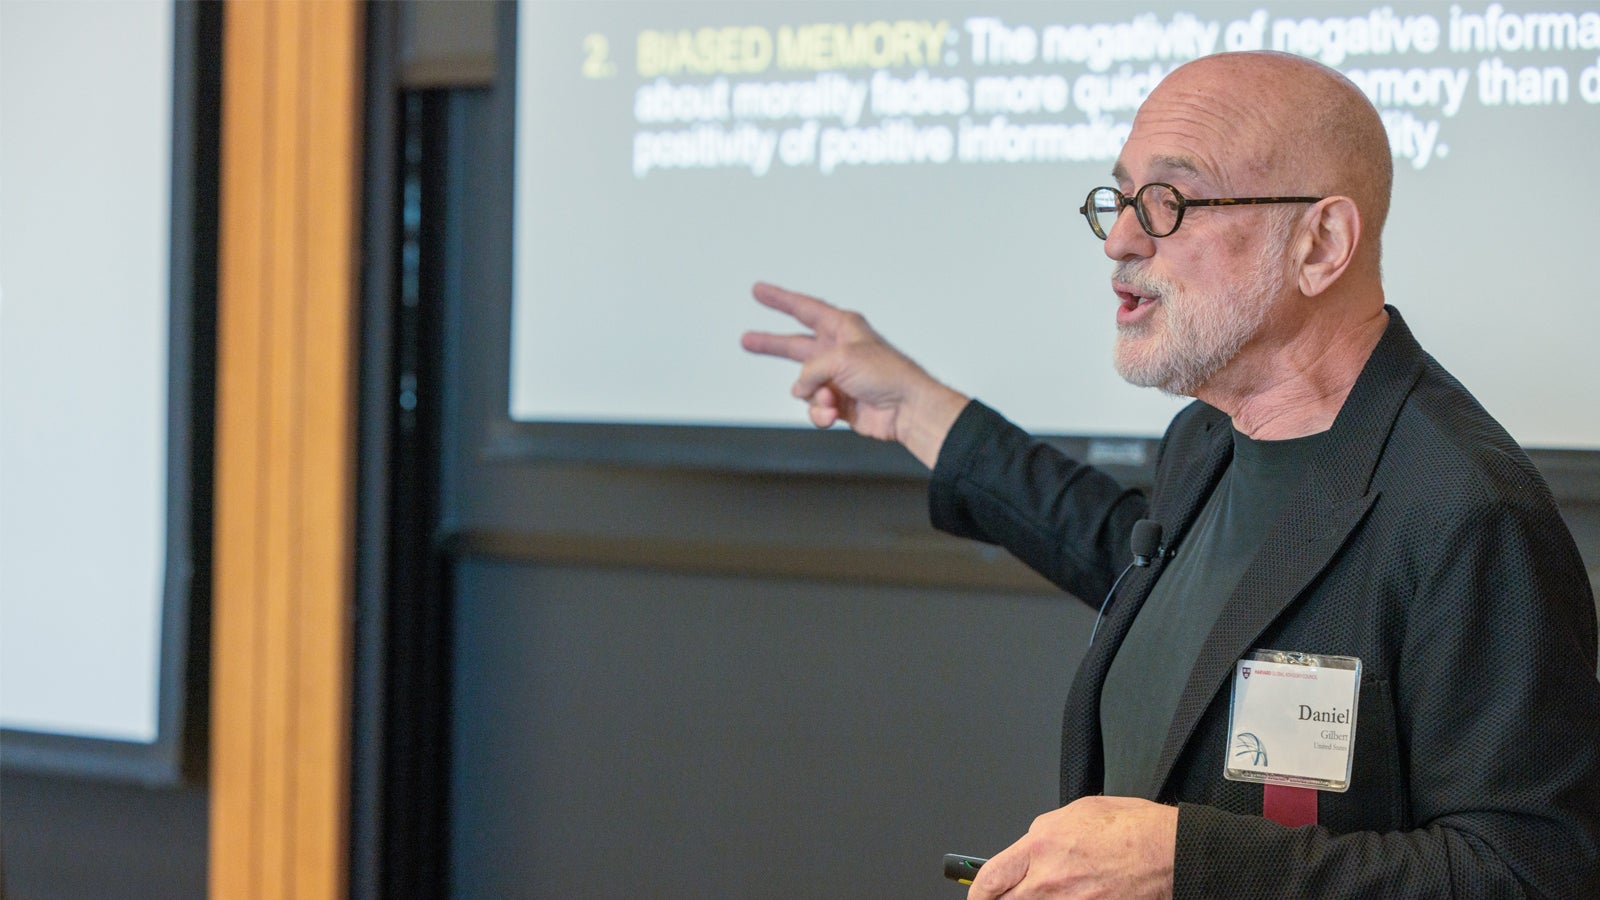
1127 239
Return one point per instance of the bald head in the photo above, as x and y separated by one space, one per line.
1289 126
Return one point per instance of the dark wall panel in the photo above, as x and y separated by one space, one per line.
66 839
636 733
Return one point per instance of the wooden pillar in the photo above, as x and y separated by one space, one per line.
286 425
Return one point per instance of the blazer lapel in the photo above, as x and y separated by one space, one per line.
1176 506
1302 543
1328 506
1215 449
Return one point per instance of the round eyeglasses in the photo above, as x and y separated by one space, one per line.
1159 207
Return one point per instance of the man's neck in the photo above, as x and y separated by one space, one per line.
1297 387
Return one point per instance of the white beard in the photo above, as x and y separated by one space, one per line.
1194 333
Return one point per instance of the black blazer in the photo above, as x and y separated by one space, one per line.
1422 541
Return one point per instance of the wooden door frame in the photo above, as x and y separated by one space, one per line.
285 492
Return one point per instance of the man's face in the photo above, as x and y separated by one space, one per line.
1200 327
1194 300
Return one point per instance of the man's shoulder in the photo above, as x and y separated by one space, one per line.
1426 436
1445 437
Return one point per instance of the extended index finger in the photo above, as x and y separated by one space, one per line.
807 310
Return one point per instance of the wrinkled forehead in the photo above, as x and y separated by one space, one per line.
1173 168
1205 129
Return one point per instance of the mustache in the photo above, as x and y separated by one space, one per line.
1138 277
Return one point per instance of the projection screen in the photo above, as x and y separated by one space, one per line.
924 163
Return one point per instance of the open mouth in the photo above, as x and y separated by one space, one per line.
1132 298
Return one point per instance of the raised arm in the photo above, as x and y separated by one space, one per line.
849 373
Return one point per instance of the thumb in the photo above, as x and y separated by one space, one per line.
1001 873
814 373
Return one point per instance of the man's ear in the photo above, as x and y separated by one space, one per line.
1330 233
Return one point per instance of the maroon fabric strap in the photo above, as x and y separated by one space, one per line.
1289 806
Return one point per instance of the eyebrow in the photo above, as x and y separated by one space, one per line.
1183 164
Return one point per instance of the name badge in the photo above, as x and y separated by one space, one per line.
1293 719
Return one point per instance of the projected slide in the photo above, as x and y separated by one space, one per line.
924 163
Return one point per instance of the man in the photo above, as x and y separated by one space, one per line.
1332 492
